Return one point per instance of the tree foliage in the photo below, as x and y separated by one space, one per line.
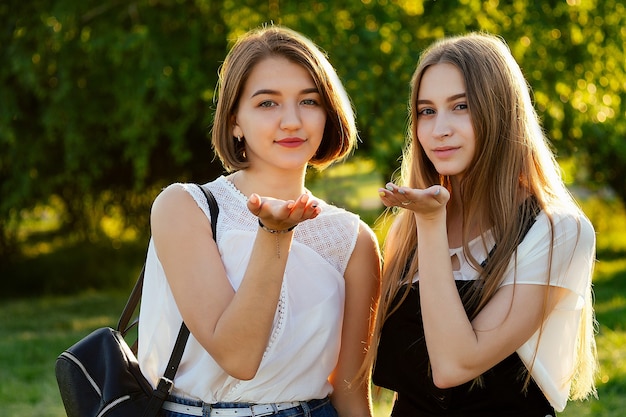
104 102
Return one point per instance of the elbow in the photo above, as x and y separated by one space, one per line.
443 382
242 375
448 377
240 369
239 364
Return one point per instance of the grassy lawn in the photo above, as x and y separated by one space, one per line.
34 331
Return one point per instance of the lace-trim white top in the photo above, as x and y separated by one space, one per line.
305 340
573 256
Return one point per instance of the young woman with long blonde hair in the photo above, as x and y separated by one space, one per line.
486 304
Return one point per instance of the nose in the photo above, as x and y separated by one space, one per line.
443 127
290 119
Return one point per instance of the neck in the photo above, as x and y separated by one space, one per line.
454 216
455 211
455 204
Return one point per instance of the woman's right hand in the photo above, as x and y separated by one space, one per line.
426 203
278 214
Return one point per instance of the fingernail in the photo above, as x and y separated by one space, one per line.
437 191
400 190
389 187
381 193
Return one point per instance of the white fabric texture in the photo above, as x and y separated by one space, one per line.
573 255
572 263
305 340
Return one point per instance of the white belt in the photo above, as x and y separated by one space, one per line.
256 410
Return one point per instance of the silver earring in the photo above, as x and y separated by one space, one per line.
239 138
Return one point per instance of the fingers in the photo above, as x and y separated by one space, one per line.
394 196
281 214
438 195
254 204
413 199
304 208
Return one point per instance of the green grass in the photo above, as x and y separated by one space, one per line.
34 331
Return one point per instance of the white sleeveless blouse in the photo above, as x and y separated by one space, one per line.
305 340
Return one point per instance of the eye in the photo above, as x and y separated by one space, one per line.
310 102
426 111
267 103
461 106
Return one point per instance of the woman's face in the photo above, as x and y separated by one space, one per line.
444 125
280 115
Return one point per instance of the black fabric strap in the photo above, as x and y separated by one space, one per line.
529 211
131 304
135 295
213 209
166 382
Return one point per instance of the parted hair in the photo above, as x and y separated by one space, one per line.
340 134
513 161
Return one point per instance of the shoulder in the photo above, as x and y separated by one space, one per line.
568 222
366 232
366 249
564 225
366 238
175 203
169 197
574 239
561 241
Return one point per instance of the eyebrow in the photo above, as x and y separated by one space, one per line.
451 98
277 93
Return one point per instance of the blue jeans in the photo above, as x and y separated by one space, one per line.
312 408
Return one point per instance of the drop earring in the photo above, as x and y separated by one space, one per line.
239 138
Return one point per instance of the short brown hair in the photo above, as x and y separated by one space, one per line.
340 131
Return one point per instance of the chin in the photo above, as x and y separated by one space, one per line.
451 171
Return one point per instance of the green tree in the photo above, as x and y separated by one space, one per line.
104 102
572 53
101 101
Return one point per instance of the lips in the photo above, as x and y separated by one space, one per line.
445 151
290 142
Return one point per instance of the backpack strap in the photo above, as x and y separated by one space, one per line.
166 382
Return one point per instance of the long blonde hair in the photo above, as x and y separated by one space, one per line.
513 161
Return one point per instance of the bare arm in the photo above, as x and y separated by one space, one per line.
233 327
461 350
352 397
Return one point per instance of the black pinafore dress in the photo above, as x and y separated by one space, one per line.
402 366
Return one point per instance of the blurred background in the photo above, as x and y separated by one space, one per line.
103 103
